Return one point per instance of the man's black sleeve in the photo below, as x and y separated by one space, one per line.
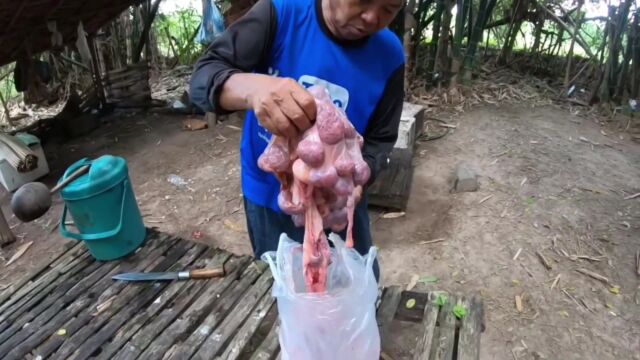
243 47
382 131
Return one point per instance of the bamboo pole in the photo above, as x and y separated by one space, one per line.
635 38
567 73
435 38
566 27
618 25
442 58
484 13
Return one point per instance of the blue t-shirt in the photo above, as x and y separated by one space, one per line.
355 75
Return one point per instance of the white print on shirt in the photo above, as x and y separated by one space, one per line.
339 95
264 134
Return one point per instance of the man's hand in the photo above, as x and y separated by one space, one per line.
282 106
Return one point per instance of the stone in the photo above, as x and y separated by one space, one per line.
466 179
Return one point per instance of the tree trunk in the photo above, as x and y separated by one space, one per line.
618 24
409 24
593 96
484 13
623 74
469 24
537 35
442 56
517 18
6 235
635 78
456 45
435 38
510 41
420 17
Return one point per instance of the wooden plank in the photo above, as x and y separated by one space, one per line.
50 275
387 310
179 297
68 249
236 317
248 329
43 299
18 332
446 337
392 188
12 312
135 297
64 312
270 345
471 329
86 324
429 318
63 290
196 311
215 317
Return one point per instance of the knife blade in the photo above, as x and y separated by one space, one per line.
171 276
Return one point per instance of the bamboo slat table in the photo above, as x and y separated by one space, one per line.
71 309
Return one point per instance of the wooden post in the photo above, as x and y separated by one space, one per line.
97 79
145 31
6 235
6 108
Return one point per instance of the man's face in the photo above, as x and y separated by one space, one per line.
355 19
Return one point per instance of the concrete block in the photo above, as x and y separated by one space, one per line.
406 134
466 179
416 113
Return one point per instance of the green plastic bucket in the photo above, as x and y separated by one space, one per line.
104 208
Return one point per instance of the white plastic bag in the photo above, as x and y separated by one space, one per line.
335 325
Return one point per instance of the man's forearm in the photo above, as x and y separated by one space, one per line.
235 54
238 90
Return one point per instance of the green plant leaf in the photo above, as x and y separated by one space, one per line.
459 311
441 300
428 279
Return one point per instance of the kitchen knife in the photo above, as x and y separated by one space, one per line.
169 276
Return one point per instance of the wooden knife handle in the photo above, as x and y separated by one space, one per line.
207 273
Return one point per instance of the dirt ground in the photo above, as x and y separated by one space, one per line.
550 182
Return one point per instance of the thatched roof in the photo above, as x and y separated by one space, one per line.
24 22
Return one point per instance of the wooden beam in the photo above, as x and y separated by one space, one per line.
15 17
37 33
97 79
145 31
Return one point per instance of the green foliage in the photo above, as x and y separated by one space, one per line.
175 33
441 300
459 311
7 88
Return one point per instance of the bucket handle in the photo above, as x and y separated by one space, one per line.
97 236
77 165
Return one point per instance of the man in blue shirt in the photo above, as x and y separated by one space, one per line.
264 62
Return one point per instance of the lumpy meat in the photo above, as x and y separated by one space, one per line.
321 175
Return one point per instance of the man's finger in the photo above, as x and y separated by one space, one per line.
282 124
306 102
292 110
